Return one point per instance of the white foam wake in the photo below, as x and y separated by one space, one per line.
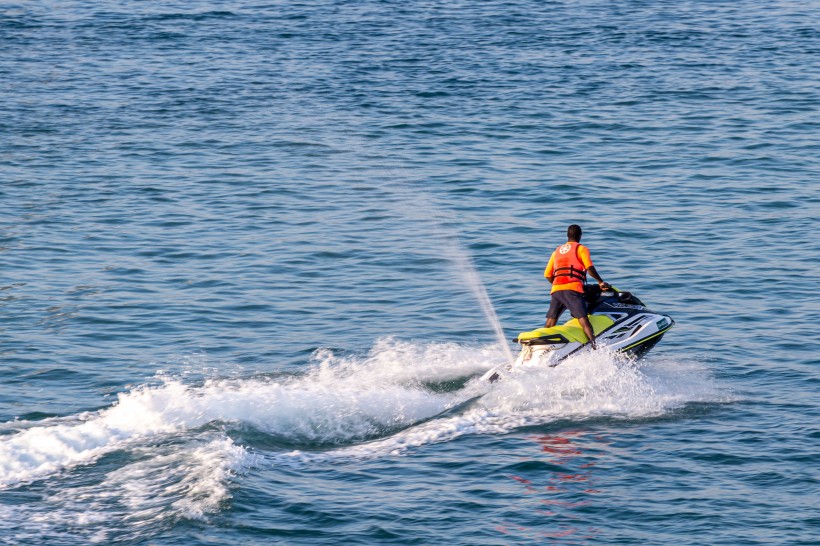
339 400
161 485
162 452
598 384
169 456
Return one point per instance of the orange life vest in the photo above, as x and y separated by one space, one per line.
567 266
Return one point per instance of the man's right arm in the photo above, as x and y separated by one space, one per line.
550 270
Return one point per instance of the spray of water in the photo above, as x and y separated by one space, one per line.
471 277
440 222
426 210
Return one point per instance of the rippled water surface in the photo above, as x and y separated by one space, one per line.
243 247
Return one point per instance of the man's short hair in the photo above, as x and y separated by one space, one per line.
574 233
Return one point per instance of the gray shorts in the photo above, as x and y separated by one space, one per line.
567 299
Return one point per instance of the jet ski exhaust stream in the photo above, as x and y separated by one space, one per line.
621 322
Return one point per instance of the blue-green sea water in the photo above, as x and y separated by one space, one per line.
241 243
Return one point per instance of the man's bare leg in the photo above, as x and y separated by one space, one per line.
551 322
585 324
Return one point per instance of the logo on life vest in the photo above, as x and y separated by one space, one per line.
564 249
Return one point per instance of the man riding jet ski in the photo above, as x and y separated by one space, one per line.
621 323
567 271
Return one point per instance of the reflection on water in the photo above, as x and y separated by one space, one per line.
557 494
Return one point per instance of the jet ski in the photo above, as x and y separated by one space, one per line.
621 323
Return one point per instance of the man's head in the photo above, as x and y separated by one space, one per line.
574 233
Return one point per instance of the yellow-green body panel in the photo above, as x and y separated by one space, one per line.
571 330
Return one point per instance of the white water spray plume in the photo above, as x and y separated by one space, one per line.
473 279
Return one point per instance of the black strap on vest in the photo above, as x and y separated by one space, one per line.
571 272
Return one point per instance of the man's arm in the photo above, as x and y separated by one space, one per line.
583 254
549 272
597 277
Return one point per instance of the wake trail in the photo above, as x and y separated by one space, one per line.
177 456
339 400
599 384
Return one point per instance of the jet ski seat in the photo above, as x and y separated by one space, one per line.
570 330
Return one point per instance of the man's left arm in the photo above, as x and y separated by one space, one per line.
597 277
583 254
